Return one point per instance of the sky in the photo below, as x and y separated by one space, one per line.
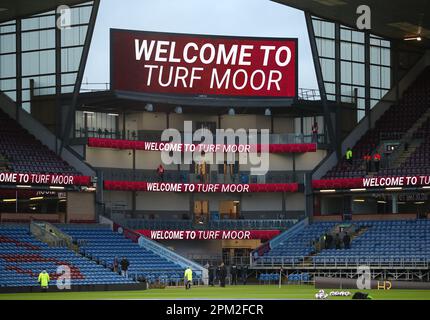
257 18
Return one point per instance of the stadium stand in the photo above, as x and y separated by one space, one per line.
393 124
22 152
416 161
378 242
22 258
385 241
298 245
104 245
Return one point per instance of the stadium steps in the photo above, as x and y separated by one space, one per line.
405 154
359 233
308 260
3 163
417 125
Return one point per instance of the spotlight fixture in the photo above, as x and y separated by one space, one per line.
178 109
327 190
149 107
267 112
418 38
231 112
37 198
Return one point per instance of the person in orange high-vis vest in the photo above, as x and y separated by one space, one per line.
368 160
376 160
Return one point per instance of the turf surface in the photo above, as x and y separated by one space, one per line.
230 292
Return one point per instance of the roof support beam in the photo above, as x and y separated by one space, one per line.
327 115
71 110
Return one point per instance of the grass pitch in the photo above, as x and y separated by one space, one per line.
229 292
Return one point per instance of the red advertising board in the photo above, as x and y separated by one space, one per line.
43 179
202 65
198 187
372 182
179 147
209 234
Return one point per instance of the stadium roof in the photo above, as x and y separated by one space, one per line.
112 101
394 19
12 9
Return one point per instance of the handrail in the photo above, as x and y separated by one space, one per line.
176 175
281 237
318 262
173 256
155 136
47 233
289 233
143 241
60 234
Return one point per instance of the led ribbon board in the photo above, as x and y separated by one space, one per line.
202 65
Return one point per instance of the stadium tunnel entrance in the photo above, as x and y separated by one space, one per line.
229 209
376 202
21 205
214 251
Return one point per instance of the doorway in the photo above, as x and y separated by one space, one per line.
201 211
229 209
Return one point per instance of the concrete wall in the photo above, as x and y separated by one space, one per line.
328 218
364 207
158 121
118 197
173 205
109 158
149 160
295 202
262 202
162 201
176 121
81 206
284 125
399 216
309 160
195 247
331 205
5 216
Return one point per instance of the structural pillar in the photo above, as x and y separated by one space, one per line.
394 204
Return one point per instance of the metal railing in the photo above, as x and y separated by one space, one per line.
155 136
316 262
185 176
309 94
237 224
215 260
303 93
